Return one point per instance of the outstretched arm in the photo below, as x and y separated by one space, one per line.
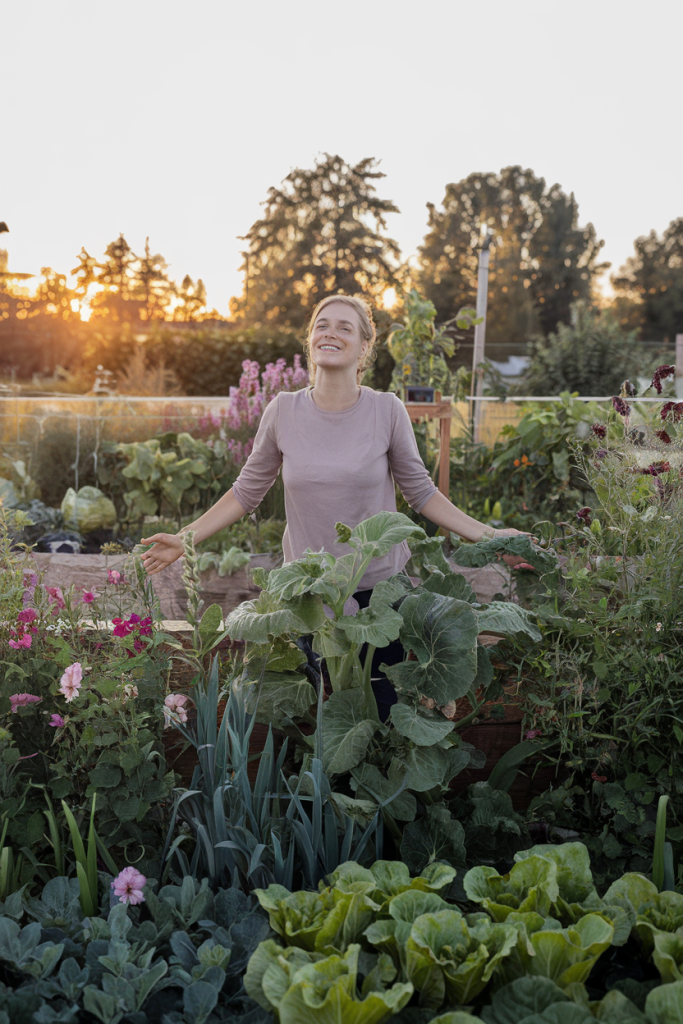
444 513
167 547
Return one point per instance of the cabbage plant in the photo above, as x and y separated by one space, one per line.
439 621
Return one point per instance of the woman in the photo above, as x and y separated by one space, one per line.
340 446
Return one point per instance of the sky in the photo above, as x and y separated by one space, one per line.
172 119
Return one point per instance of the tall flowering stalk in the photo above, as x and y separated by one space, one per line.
191 579
248 400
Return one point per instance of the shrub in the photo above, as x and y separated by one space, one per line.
591 356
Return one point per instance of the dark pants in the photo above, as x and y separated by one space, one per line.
383 689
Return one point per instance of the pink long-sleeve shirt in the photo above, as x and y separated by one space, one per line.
336 467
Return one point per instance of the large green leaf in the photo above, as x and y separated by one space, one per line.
427 767
530 887
523 998
572 861
370 626
428 557
305 575
389 592
452 584
377 535
347 731
280 695
664 1005
369 783
442 633
267 617
437 836
486 551
419 725
504 617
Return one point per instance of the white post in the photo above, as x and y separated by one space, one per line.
480 334
679 366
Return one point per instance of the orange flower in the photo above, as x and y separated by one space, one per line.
516 462
524 459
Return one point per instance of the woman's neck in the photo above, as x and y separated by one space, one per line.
335 392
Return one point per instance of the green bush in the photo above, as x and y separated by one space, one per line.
209 362
591 356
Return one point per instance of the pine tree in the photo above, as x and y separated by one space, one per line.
651 282
152 286
322 232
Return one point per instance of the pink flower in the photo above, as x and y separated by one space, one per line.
88 597
23 641
115 577
532 734
55 596
174 709
28 615
22 700
57 722
71 681
128 886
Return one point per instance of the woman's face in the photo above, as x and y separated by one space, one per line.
336 342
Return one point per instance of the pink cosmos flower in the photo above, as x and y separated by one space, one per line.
88 596
23 642
71 681
28 615
174 709
128 886
22 700
57 722
55 596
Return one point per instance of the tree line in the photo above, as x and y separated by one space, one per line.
324 229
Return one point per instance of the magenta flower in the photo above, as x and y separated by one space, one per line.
22 700
70 683
57 722
88 597
27 616
128 886
55 596
24 642
532 734
115 577
599 430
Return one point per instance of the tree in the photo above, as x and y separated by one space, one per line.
118 277
192 299
541 260
152 287
652 282
593 356
322 232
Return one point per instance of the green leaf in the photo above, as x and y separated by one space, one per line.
302 576
369 783
347 731
427 767
371 626
105 776
452 584
377 535
210 623
418 725
436 836
504 617
523 998
281 695
664 1005
442 633
267 617
505 771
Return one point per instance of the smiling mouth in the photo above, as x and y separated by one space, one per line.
328 348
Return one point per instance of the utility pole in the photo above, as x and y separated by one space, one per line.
480 334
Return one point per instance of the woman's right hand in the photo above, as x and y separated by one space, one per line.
166 549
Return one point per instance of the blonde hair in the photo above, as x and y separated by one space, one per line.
367 331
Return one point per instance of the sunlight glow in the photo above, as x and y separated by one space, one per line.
389 299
